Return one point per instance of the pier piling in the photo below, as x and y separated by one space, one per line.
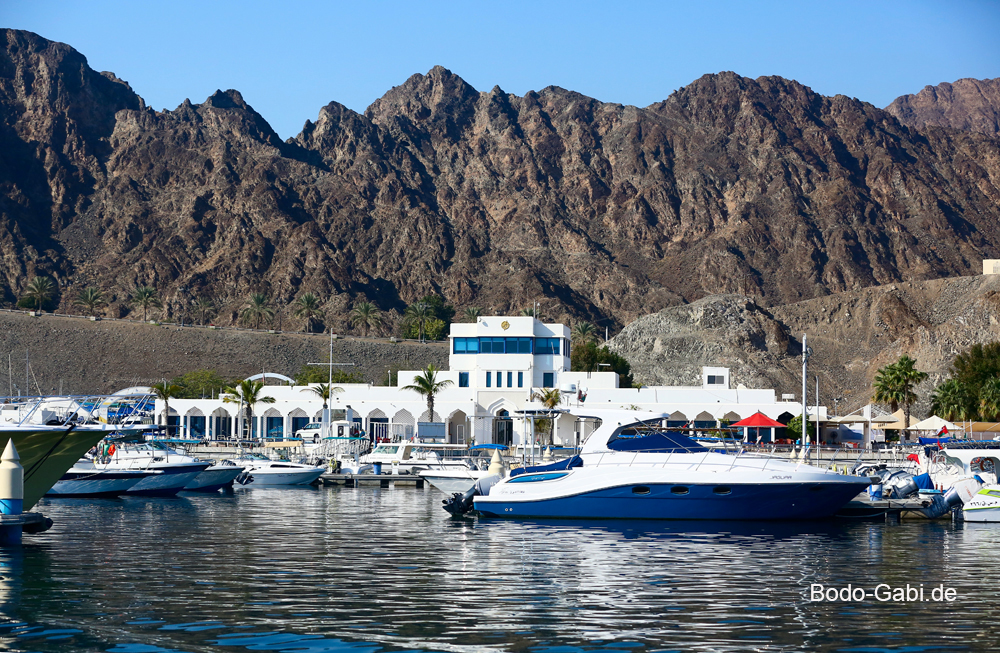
11 496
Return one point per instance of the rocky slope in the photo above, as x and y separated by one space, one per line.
78 356
600 211
968 105
851 334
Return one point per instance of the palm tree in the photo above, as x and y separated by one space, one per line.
307 306
584 333
532 312
550 398
145 296
366 315
39 290
419 313
472 314
894 384
247 392
989 400
951 401
257 308
427 385
204 306
90 298
324 391
165 392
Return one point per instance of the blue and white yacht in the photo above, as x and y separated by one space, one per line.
633 468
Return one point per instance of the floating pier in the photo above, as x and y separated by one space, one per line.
372 480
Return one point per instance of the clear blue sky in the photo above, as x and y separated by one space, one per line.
289 58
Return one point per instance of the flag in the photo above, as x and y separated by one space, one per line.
943 431
581 396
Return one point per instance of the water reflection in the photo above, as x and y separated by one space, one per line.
341 569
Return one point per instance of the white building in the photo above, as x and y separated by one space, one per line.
496 366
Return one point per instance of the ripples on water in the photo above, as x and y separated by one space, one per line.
368 570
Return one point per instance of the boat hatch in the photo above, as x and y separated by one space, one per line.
534 478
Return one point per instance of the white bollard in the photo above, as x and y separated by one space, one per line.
496 464
11 494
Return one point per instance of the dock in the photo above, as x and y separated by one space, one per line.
372 480
892 510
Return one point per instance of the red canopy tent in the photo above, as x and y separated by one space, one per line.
759 421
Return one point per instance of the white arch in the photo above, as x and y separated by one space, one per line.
298 412
271 412
193 412
425 417
704 416
501 404
403 416
731 416
677 415
220 412
271 375
376 414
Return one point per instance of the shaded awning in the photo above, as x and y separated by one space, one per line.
759 421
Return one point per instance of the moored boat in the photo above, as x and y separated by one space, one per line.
175 470
262 471
633 468
84 480
219 475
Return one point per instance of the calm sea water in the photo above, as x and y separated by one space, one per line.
368 570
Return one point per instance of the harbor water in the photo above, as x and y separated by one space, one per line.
368 570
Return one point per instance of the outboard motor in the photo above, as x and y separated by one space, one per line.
461 502
901 484
244 478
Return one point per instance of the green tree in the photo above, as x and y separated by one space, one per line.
165 392
951 400
145 297
367 316
38 291
247 393
324 391
894 384
418 315
427 385
794 429
989 401
90 298
589 358
550 398
975 366
321 373
307 307
200 383
533 312
205 307
435 329
472 314
256 309
583 333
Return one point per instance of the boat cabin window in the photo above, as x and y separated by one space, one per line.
993 493
386 448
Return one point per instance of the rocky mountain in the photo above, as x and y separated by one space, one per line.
968 105
852 334
600 211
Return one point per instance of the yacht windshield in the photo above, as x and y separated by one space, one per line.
653 441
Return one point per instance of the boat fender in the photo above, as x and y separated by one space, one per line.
111 450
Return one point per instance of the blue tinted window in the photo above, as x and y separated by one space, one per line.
546 345
510 379
520 379
463 379
489 379
548 380
491 345
466 345
499 379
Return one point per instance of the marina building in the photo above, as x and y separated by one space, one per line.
498 367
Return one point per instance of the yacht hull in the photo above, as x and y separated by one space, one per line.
47 453
214 479
170 480
451 482
791 501
97 484
267 479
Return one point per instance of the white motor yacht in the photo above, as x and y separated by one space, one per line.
176 470
633 468
85 480
452 478
264 471
410 456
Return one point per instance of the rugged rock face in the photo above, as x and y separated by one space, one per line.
968 105
851 334
601 211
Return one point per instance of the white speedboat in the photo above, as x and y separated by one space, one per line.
261 470
407 457
175 470
984 505
220 474
632 468
84 480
